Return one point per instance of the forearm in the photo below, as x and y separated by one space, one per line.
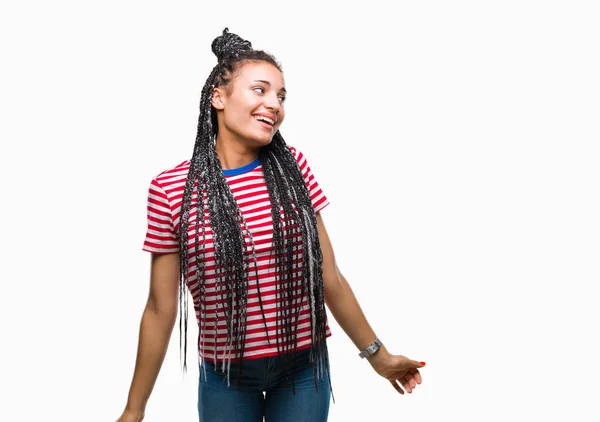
344 306
155 332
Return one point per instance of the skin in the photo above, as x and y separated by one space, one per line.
238 143
258 88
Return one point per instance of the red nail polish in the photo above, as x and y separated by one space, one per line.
422 363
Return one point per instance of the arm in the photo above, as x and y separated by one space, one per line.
340 298
157 323
344 306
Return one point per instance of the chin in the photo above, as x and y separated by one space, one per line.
266 142
263 140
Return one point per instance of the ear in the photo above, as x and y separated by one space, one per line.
218 98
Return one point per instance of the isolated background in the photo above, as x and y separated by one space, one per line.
457 143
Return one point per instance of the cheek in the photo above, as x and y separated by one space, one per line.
238 113
280 116
241 104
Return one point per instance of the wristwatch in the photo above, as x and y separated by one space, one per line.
373 347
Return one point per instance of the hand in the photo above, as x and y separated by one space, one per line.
397 369
129 416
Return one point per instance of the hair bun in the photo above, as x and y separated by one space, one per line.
228 45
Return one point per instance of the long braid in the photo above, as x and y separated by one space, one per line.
204 130
293 218
278 165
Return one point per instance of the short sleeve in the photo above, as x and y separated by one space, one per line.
160 235
318 198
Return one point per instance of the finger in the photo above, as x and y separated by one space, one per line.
397 387
416 364
411 380
417 377
406 384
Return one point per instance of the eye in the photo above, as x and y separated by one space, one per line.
259 90
282 99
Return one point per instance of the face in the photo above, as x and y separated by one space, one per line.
251 110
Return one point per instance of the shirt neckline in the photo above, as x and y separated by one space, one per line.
243 169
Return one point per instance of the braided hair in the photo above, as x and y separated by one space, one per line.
293 217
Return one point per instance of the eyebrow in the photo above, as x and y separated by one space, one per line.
269 84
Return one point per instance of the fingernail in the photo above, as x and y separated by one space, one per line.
422 363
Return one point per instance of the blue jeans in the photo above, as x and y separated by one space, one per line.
260 395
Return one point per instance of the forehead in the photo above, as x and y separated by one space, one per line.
261 71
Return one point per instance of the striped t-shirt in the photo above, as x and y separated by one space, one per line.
250 191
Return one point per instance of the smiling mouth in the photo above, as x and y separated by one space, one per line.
265 122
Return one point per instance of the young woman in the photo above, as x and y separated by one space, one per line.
239 226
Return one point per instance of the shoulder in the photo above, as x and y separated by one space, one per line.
172 175
301 160
169 183
297 154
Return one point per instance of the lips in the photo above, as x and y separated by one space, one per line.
265 125
267 121
266 117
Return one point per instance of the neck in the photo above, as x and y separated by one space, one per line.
234 154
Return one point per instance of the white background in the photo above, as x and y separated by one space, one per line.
457 143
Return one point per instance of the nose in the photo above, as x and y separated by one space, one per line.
272 103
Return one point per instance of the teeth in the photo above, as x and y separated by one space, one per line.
265 119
